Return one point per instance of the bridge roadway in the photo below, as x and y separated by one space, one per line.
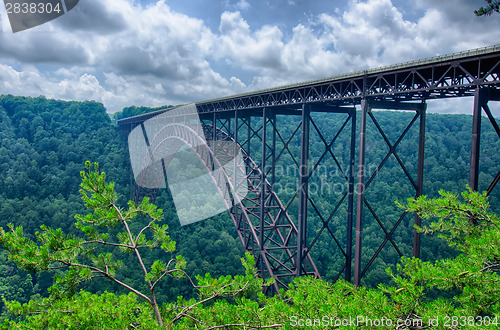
407 86
455 75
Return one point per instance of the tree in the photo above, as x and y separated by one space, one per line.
81 259
493 6
468 225
456 293
460 292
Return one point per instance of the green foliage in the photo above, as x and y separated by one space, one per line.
77 258
493 6
79 255
85 311
456 293
135 111
472 277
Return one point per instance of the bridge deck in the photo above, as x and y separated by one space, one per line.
403 87
454 75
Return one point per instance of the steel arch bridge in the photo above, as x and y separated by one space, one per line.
277 232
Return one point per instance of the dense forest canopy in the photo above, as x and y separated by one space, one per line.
135 111
44 144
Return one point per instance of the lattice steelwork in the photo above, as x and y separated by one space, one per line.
265 226
441 77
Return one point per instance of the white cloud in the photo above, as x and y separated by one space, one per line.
121 53
243 5
158 56
252 50
373 33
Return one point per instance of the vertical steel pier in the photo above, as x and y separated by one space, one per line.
481 98
267 227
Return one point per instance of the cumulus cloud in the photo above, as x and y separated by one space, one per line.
373 33
158 56
122 53
242 5
105 17
252 50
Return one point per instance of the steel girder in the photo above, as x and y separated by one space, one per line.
481 98
364 183
473 73
442 77
263 225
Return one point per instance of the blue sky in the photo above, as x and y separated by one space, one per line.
148 52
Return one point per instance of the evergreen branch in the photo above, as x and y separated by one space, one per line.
144 246
112 278
172 271
142 230
139 258
108 243
491 303
194 319
214 295
58 267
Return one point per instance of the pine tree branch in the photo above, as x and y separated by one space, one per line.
172 271
139 258
112 278
140 233
108 243
214 295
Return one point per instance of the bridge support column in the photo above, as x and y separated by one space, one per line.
303 189
481 98
214 125
249 135
365 108
420 177
263 191
350 202
272 119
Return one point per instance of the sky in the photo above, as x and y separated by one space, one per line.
153 53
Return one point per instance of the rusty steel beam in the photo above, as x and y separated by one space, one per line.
280 243
420 178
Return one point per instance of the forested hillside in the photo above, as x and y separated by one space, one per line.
134 111
44 144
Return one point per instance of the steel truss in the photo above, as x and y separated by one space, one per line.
481 98
282 243
263 225
442 77
265 210
366 111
